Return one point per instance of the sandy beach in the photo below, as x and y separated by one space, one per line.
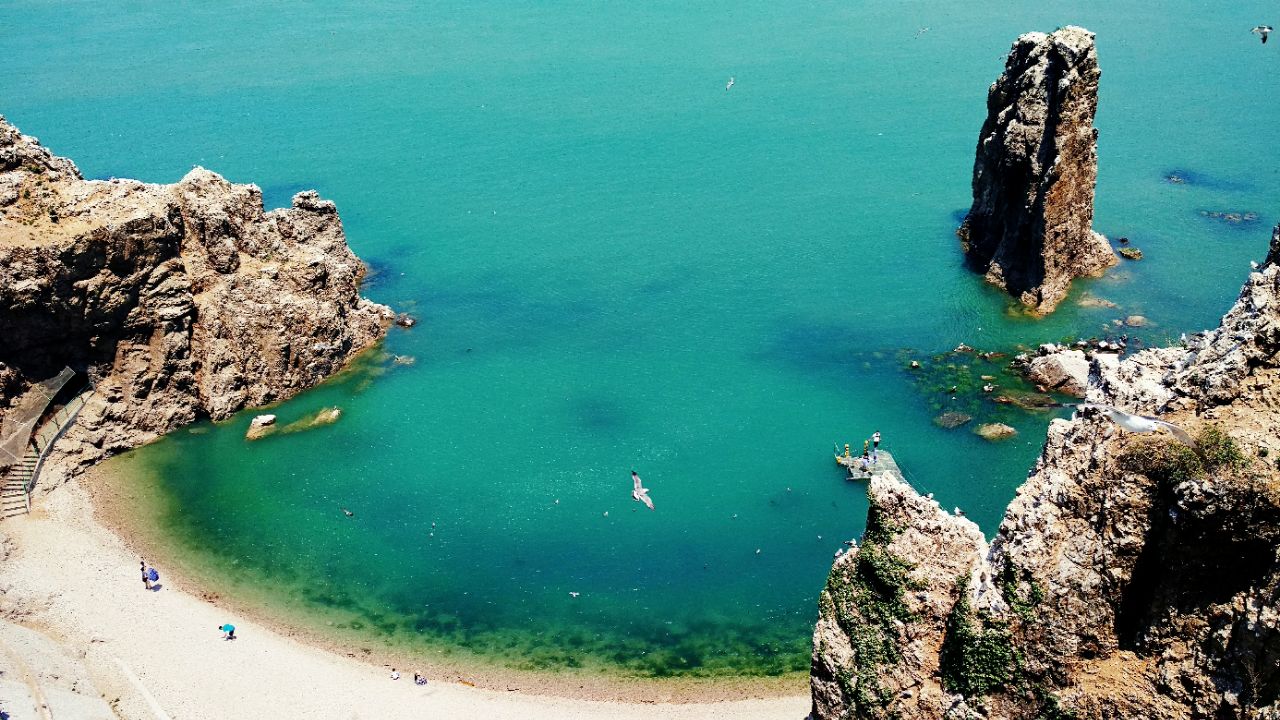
159 654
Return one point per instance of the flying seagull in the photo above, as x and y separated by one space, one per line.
1264 31
1137 423
640 492
730 83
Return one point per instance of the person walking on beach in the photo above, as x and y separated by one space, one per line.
146 578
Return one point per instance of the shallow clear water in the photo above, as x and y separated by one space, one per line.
619 264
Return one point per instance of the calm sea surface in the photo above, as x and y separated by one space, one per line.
619 264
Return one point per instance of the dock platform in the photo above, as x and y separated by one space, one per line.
885 465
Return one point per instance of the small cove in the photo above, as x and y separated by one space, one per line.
618 264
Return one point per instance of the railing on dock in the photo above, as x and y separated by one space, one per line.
886 464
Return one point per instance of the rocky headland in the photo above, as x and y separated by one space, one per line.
178 302
1029 230
1132 576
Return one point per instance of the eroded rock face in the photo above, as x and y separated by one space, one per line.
1065 370
1030 227
1131 577
181 301
883 616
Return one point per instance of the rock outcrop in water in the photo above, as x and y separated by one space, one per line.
181 301
1131 577
1030 227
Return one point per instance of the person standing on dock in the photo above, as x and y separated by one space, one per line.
875 446
866 452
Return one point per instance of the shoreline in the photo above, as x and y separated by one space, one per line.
588 684
87 512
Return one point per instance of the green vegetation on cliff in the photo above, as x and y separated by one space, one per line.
867 603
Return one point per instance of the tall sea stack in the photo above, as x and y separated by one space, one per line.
1030 228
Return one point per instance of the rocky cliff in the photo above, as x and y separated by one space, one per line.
1132 576
180 301
1030 227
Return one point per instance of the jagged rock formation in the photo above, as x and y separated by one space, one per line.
865 655
1030 227
1131 577
1065 370
180 301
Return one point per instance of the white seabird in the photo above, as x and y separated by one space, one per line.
1139 423
1264 31
730 83
640 493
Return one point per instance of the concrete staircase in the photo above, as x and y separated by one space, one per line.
19 478
13 484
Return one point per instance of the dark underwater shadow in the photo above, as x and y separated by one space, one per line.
599 414
1194 178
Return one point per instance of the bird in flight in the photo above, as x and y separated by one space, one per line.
640 493
730 83
1264 31
1137 423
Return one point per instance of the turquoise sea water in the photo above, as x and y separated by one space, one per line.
619 264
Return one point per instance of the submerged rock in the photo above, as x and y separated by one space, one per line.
319 418
994 431
1131 253
1029 230
1231 217
1025 400
951 420
1093 301
260 426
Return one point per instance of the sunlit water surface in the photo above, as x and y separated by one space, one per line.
619 264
